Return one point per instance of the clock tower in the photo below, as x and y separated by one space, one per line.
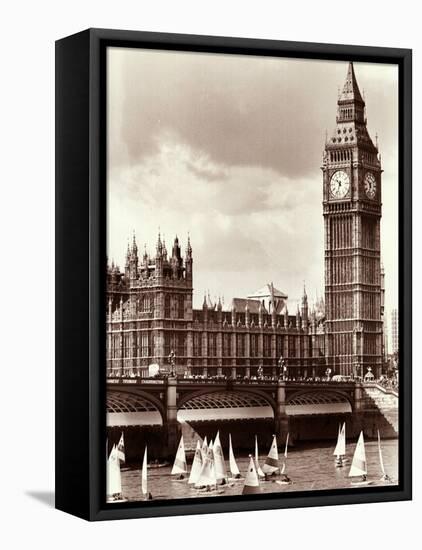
352 214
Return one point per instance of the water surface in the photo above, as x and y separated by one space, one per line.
310 467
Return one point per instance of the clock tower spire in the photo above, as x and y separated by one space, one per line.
352 214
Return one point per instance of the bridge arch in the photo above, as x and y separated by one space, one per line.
319 401
225 404
133 408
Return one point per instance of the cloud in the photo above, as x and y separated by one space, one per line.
244 221
229 149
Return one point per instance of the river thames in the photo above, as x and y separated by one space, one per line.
310 467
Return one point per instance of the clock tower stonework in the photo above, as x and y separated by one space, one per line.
352 214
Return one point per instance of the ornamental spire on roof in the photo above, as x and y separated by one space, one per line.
351 92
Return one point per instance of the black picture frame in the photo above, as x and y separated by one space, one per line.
80 277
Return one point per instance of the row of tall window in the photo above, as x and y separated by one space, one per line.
369 270
174 307
342 270
341 232
371 344
371 306
138 345
132 344
369 233
342 155
341 305
343 344
369 157
239 341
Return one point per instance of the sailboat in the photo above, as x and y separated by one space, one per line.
358 467
251 485
180 466
144 478
258 467
220 467
385 477
234 470
271 466
285 480
207 480
114 477
340 449
195 471
204 448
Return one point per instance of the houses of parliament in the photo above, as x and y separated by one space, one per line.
150 314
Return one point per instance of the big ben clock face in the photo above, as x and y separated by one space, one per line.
339 184
370 185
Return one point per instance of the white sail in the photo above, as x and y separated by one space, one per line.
286 446
114 477
207 475
258 467
180 466
232 461
251 481
340 449
335 452
358 467
121 449
271 464
204 448
195 471
380 454
220 466
144 475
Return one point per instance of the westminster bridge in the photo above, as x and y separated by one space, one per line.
305 409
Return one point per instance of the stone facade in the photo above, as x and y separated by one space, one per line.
354 293
150 315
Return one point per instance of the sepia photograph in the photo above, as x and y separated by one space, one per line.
252 277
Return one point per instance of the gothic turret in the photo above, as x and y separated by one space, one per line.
159 257
219 311
188 260
176 254
164 250
247 315
304 309
233 315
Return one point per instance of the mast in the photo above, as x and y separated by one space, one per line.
258 467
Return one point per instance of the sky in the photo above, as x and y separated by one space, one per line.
228 149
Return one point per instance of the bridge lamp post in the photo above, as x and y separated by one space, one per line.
283 368
172 360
